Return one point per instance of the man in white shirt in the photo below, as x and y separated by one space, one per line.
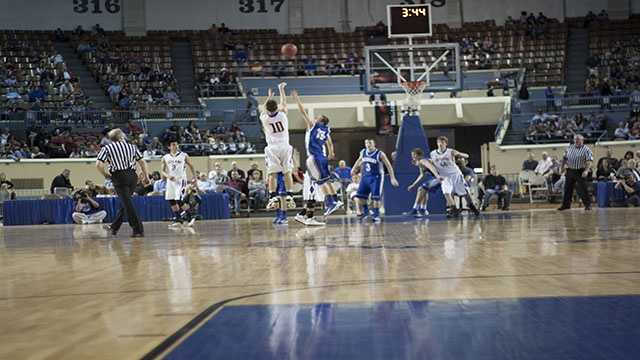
544 165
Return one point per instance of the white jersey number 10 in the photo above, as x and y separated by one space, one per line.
277 127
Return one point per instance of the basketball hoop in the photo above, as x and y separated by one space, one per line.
413 89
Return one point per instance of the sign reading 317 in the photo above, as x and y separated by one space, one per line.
260 6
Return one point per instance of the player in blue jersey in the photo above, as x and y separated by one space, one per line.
428 181
319 151
370 164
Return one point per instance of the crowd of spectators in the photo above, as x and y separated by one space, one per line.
131 79
551 127
625 172
629 129
615 71
36 79
529 24
66 142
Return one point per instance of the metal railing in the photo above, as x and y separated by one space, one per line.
567 101
102 117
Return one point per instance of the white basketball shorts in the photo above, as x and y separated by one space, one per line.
454 184
279 158
175 189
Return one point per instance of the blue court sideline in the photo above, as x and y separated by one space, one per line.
606 327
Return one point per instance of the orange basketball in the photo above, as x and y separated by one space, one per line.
289 50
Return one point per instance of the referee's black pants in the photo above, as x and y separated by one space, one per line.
573 179
125 181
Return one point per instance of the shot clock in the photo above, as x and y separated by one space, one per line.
409 20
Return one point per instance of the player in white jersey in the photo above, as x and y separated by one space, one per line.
444 160
174 169
278 153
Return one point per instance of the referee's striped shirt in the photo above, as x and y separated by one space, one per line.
577 157
120 155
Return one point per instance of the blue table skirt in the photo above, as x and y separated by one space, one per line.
150 208
606 194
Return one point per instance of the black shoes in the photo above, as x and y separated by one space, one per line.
111 230
137 235
561 208
587 208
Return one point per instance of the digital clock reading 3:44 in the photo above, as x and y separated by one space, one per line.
413 11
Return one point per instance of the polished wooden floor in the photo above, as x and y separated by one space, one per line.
76 293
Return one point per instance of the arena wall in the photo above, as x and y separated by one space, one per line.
283 15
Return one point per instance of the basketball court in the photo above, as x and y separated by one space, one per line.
524 284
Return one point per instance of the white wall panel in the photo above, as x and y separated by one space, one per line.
479 10
200 14
51 14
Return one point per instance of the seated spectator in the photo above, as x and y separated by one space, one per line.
236 187
530 164
253 168
37 154
37 94
352 190
114 92
66 88
493 184
159 184
87 210
605 170
234 167
218 177
257 189
204 184
631 187
171 97
621 132
613 162
62 181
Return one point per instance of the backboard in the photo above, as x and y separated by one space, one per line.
387 66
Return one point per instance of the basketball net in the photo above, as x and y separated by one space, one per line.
414 90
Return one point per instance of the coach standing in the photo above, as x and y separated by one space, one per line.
117 161
577 162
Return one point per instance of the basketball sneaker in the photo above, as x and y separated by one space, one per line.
413 212
291 204
274 203
425 213
282 221
301 219
376 219
333 207
314 222
191 222
175 225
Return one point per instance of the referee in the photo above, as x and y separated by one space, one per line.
117 161
577 162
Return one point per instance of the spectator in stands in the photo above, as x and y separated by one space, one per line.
62 181
237 189
114 92
159 184
253 168
494 184
66 88
218 177
37 154
631 187
204 184
37 94
605 170
234 167
257 189
87 210
549 95
544 165
530 164
627 156
621 132
6 188
171 97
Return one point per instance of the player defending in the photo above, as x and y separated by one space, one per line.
428 185
278 153
318 143
444 160
174 166
371 160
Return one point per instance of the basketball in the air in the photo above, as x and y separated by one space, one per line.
289 50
